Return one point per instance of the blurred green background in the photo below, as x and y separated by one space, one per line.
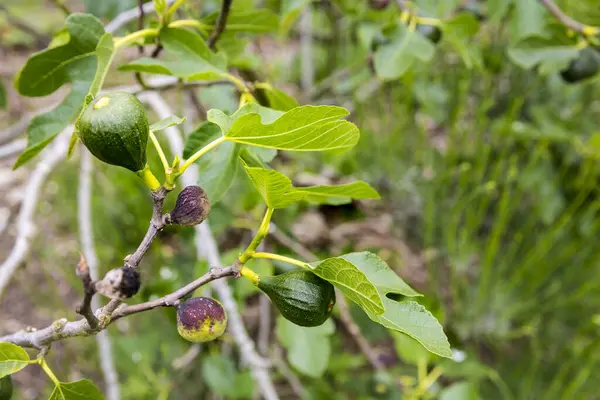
489 179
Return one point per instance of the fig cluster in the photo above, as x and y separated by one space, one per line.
201 319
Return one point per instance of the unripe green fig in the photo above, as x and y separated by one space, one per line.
301 296
201 319
119 283
6 388
431 32
583 67
114 128
192 207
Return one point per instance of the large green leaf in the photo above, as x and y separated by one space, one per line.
353 282
460 391
528 20
189 58
549 54
394 59
277 190
413 319
74 62
309 349
304 128
78 390
243 20
277 98
221 376
12 359
380 274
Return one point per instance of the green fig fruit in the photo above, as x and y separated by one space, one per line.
431 32
583 67
201 319
114 127
6 388
192 207
301 296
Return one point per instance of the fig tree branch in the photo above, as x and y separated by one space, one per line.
64 329
569 22
220 25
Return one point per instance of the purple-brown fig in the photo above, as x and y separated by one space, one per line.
378 4
192 207
201 319
119 283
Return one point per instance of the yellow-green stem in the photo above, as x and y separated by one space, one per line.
428 21
278 257
48 371
160 151
149 178
190 22
200 153
241 85
262 232
249 274
173 8
135 36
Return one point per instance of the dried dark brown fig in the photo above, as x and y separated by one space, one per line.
119 283
378 4
192 207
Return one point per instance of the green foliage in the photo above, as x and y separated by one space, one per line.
222 377
74 62
79 390
309 349
190 58
3 96
165 123
243 20
12 359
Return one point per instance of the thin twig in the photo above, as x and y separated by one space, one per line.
220 25
127 16
206 247
12 148
86 235
563 18
157 223
63 329
85 309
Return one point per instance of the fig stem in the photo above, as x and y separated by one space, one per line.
149 178
190 22
200 153
159 150
272 256
48 371
135 36
262 232
249 274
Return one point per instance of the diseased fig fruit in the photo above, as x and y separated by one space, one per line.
431 32
201 319
119 283
583 67
114 127
378 4
301 296
192 207
6 388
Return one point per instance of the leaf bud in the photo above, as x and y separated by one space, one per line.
119 283
192 207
